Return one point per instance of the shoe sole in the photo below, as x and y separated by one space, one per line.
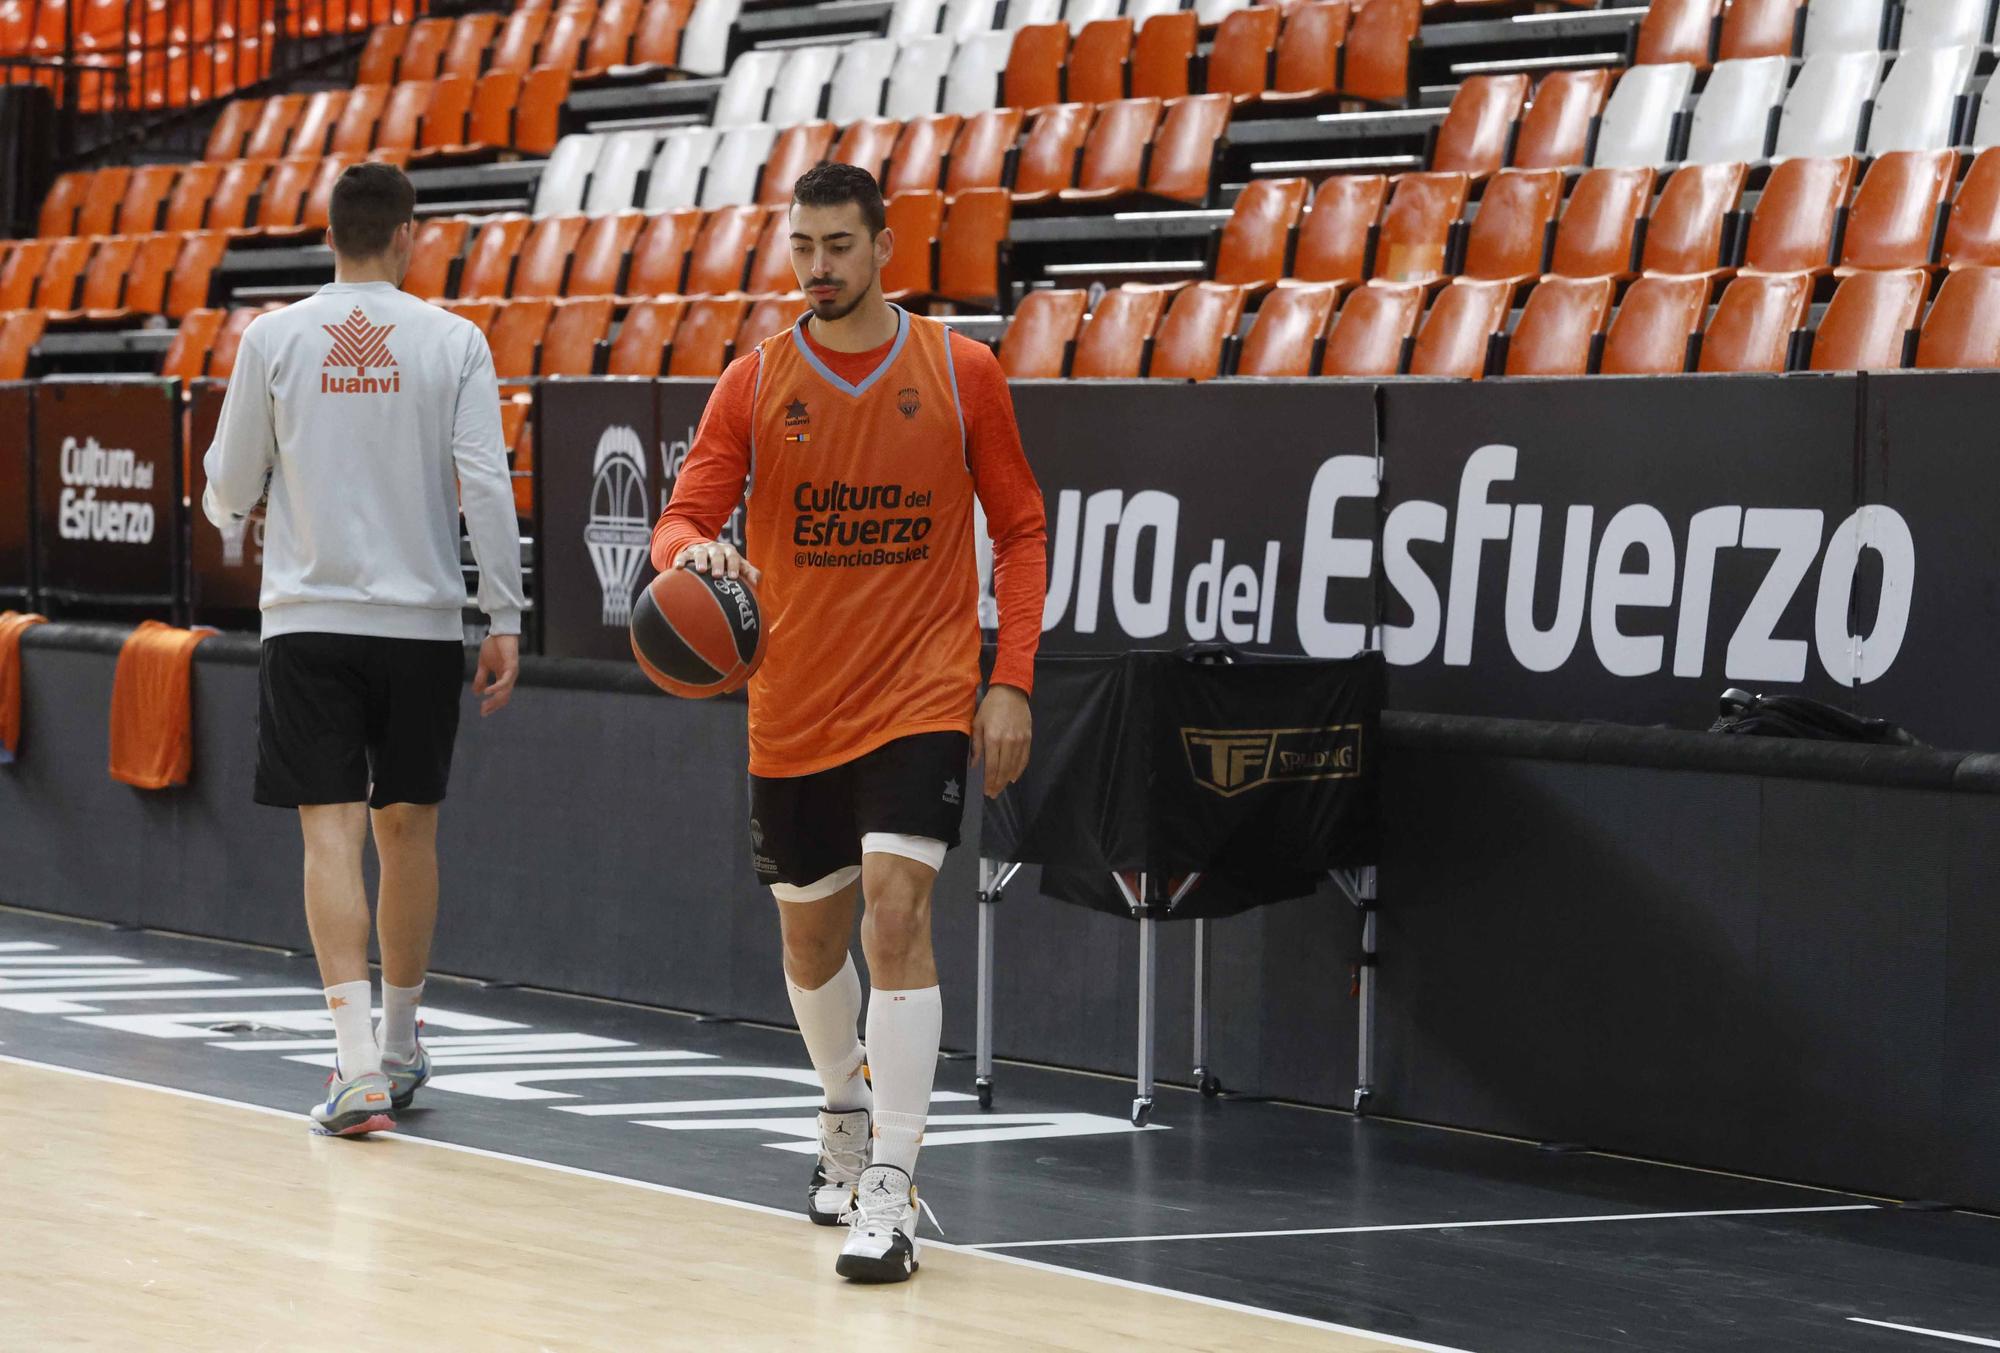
357 1124
861 1269
822 1218
403 1101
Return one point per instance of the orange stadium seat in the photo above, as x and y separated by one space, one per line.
656 41
1416 227
599 263
1287 327
439 242
1163 56
1254 241
1753 324
771 259
520 37
544 256
1239 64
1511 231
707 328
1792 228
1333 237
1894 216
479 314
1371 330
1649 334
917 220
1200 320
1457 332
273 129
20 331
1562 318
979 156
1183 153
1048 161
1473 137
516 336
644 336
319 197
721 254
1378 51
1600 225
569 344
1754 28
232 127
471 36
403 114
868 144
229 207
354 134
975 226
767 317
379 55
228 339
146 193
610 38
97 214
187 355
798 148
187 208
562 41
59 208
1034 72
1962 332
1972 231
490 265
1555 131
194 269
1039 335
423 56
1868 320
1684 234
316 123
1308 57
444 120
1112 343
660 254
21 270
1677 30
1100 61
918 161
1114 156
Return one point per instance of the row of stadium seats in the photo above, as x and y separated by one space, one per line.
1809 219
282 199
1567 328
451 116
1838 103
1689 31
945 252
108 278
1072 152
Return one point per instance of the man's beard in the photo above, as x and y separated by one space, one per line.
835 308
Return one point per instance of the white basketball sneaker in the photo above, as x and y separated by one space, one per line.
882 1240
843 1155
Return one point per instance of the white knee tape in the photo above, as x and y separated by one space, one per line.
923 849
815 892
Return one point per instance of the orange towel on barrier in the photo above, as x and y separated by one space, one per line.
152 706
12 624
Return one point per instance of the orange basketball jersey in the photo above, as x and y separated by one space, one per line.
860 514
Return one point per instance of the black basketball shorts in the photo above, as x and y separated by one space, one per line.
804 828
347 717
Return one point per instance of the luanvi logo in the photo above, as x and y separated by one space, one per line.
1231 761
361 345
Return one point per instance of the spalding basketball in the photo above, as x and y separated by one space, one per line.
696 635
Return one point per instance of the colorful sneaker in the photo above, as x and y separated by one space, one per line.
843 1155
882 1244
406 1077
355 1107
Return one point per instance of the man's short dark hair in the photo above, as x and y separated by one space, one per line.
369 201
828 185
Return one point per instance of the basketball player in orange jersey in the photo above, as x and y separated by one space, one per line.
863 434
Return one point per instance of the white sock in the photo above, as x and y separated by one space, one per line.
398 1030
827 1018
904 1028
352 1029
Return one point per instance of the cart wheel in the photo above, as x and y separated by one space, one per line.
1142 1112
984 1089
1211 1085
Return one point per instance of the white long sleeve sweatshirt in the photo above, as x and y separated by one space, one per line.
373 417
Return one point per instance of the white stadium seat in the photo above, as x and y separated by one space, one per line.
733 169
705 40
614 183
747 89
1914 109
1823 112
801 85
1732 119
1843 26
918 79
860 80
676 178
560 189
972 82
1942 23
1638 123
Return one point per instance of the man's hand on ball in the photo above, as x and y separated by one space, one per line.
719 559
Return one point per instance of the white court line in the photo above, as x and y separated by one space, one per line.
790 1214
1418 1226
1935 1334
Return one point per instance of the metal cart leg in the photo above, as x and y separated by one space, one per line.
1205 1078
1149 976
993 880
1359 885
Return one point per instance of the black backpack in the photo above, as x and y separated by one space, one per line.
1794 716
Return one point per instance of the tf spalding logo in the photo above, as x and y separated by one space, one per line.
1232 761
361 345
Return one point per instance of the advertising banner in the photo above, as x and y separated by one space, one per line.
597 451
108 490
225 564
17 503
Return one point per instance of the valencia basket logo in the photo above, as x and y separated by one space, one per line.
618 532
1232 761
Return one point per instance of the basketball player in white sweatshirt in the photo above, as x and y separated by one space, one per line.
362 420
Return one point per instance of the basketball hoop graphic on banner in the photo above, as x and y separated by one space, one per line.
618 532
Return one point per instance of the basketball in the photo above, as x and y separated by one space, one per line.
696 635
